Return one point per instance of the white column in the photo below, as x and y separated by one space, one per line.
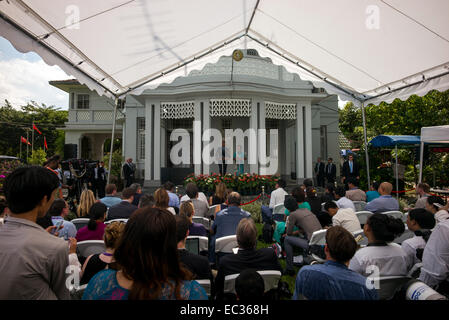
148 140
308 140
163 146
299 142
197 138
253 125
157 143
206 125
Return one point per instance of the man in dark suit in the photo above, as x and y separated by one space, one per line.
124 209
319 173
331 171
128 172
350 170
247 256
195 263
98 180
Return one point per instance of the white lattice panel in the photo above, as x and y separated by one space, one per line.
177 110
230 108
274 110
103 116
83 115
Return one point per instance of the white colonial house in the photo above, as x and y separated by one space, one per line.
252 93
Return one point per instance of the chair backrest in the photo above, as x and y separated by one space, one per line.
363 240
116 220
322 205
88 247
318 237
363 216
279 209
359 205
205 283
204 221
226 244
407 234
212 209
203 242
270 278
80 222
389 286
395 214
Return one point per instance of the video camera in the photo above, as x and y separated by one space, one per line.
77 173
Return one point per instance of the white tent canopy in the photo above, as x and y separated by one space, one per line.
432 135
365 51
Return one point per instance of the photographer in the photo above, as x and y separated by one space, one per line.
52 164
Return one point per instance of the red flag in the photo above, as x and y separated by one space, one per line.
35 128
23 140
45 143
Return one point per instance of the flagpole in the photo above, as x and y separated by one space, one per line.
28 132
32 139
20 154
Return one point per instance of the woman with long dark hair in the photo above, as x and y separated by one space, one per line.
95 228
149 264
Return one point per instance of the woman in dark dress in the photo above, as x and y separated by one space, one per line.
219 196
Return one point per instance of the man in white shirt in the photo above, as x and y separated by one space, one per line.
342 201
277 197
344 217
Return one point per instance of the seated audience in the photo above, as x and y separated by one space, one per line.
198 265
328 193
87 199
435 268
95 228
342 201
249 286
125 208
105 260
354 193
308 183
111 199
422 191
421 222
313 201
148 258
58 212
333 280
195 229
435 205
372 193
300 195
219 197
147 200
201 196
385 202
137 193
277 197
32 261
344 217
307 224
226 221
201 208
174 199
389 257
247 255
161 199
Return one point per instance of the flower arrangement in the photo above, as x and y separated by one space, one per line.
245 183
6 167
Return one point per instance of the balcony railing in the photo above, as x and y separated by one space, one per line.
92 116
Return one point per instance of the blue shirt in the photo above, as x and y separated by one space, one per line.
383 204
109 201
226 221
332 281
68 228
371 195
173 200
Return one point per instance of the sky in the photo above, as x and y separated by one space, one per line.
24 77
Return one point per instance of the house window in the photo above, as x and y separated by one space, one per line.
323 142
141 138
82 101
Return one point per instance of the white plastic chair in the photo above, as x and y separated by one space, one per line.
407 234
395 214
116 220
204 221
359 205
203 241
363 240
205 283
88 247
270 278
389 285
80 222
318 238
226 244
322 205
279 212
363 216
212 209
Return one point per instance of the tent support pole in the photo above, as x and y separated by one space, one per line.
366 144
112 138
421 160
397 173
